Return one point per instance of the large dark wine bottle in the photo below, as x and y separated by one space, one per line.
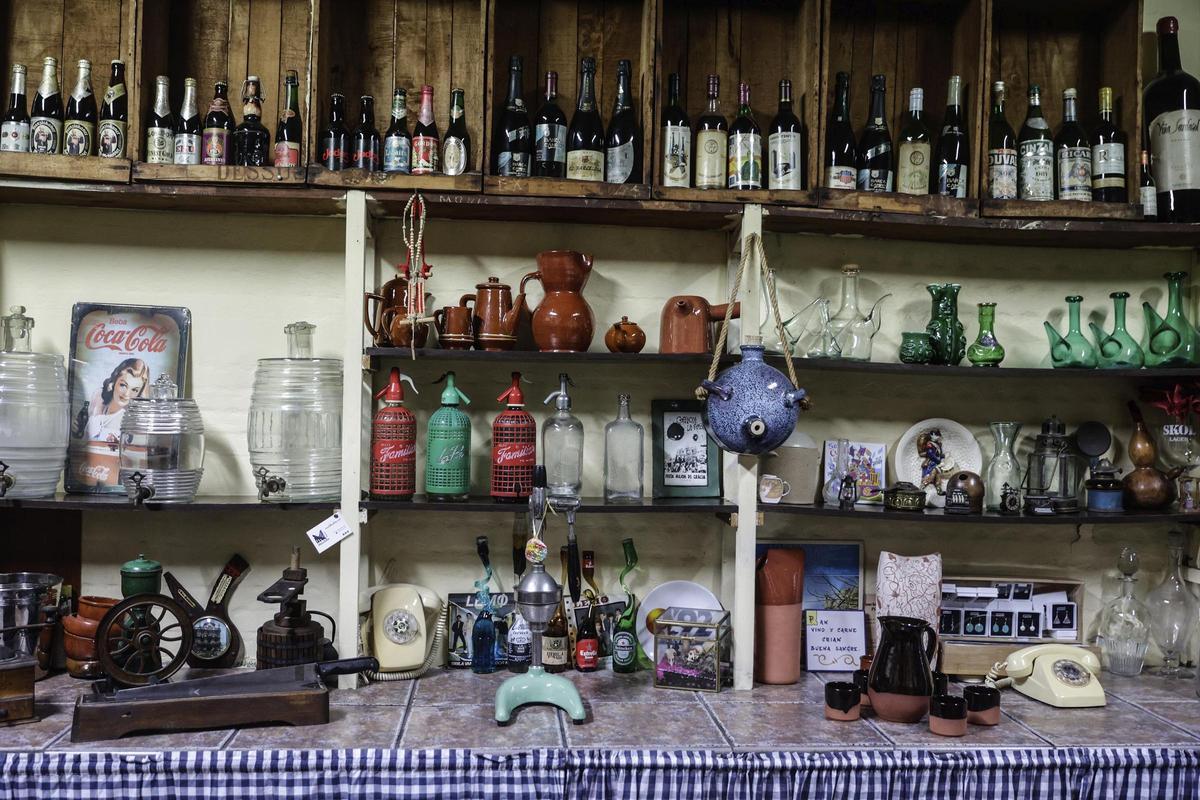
550 134
335 153
712 135
623 141
514 138
785 144
1072 154
841 151
1002 150
366 146
1035 149
876 166
676 139
913 148
585 139
1108 155
1171 104
949 172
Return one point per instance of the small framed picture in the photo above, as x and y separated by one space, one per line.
687 462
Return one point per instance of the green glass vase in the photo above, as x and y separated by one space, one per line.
985 351
1072 351
1170 340
946 336
1118 349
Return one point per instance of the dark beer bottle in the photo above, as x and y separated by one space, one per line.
114 115
366 136
79 130
218 126
251 139
335 139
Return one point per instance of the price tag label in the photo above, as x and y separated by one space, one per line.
329 532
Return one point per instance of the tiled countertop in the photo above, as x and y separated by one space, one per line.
453 709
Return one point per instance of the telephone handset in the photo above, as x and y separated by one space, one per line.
402 629
1057 674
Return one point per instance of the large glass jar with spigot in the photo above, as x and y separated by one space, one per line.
34 412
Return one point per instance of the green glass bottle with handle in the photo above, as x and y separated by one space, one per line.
1117 349
1072 351
448 447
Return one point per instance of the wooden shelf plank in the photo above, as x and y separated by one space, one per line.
589 505
37 166
561 187
786 196
221 175
932 205
185 197
372 181
528 356
1062 209
118 502
936 515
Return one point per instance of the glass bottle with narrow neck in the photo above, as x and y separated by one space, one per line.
397 144
623 141
1173 612
1073 154
849 313
335 151
624 640
288 133
745 146
623 456
426 142
562 445
785 145
676 138
14 129
114 114
876 165
1124 629
160 126
514 139
585 137
456 146
1002 150
556 638
712 136
216 142
79 129
46 113
1035 152
251 139
1108 155
912 168
550 134
841 151
1147 191
187 131
366 136
1171 104
950 169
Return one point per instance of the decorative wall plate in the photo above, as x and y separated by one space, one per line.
931 451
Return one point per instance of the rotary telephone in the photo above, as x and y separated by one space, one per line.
1057 674
403 629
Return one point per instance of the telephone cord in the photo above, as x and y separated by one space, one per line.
993 678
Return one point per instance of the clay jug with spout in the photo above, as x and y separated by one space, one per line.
392 304
496 314
563 322
686 324
901 681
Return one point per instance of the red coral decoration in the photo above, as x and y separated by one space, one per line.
1177 402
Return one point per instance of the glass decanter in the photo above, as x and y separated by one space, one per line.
1004 468
623 456
1172 612
1124 631
1117 349
985 351
852 329
1171 340
562 445
819 339
15 331
1073 350
830 493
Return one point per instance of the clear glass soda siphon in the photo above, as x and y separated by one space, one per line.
623 440
562 445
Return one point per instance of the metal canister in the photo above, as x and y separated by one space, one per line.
141 576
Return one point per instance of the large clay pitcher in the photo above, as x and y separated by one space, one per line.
901 681
496 315
564 322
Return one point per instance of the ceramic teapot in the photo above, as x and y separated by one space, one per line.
496 315
901 681
563 322
752 407
625 337
686 325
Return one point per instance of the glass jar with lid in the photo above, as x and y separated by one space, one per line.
162 446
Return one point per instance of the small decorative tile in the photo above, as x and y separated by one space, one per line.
381 693
457 686
1116 724
674 725
475 727
51 723
1148 687
1185 715
762 726
1007 734
809 689
615 687
367 726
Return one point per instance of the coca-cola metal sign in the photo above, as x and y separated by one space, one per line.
117 351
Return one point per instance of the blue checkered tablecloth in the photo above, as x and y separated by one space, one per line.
1063 774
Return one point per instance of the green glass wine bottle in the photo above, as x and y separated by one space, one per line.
1072 351
626 649
448 447
1170 340
985 351
1118 349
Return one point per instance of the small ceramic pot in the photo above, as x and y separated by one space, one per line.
625 337
983 705
80 625
915 347
95 607
79 647
843 701
947 715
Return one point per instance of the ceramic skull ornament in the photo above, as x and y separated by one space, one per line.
751 407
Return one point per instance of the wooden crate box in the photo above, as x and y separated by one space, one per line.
374 46
914 43
757 41
556 35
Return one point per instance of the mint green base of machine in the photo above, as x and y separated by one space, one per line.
537 686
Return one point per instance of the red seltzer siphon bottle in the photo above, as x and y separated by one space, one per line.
394 443
514 447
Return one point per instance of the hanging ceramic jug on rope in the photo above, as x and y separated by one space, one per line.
409 326
751 407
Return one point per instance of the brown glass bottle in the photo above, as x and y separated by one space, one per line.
556 638
218 128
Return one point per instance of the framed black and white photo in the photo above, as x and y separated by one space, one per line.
687 462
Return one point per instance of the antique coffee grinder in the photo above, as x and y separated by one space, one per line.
538 596
292 637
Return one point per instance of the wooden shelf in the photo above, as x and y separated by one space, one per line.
372 181
937 515
41 167
220 175
790 197
186 197
896 203
1061 209
588 505
117 502
527 356
561 187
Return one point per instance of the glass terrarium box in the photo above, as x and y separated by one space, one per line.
693 650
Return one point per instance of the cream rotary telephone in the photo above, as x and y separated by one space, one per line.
1056 674
403 630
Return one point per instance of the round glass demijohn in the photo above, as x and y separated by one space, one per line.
162 446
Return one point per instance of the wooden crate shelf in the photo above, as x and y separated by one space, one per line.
222 176
791 197
373 181
561 187
41 166
897 203
1061 209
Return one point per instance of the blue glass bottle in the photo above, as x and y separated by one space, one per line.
483 644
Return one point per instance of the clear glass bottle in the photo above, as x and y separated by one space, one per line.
1172 612
562 445
1005 467
1125 622
848 313
841 467
852 329
623 443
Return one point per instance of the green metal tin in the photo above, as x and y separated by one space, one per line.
141 576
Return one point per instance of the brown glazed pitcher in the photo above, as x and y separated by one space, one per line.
453 325
496 315
564 322
901 681
392 298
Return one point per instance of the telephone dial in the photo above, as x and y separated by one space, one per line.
403 629
1057 674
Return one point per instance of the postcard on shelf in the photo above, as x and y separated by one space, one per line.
868 462
833 572
687 462
117 351
834 641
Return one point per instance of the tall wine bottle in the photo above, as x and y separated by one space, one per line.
1108 155
14 130
1002 150
585 139
79 129
745 146
514 138
841 151
785 144
550 134
1035 151
676 139
114 114
1147 192
876 166
623 141
950 164
456 145
1171 103
1072 154
712 137
913 148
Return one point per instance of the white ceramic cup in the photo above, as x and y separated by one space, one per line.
772 488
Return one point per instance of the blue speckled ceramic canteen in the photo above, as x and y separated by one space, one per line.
752 407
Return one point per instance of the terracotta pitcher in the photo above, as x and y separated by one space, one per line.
391 299
686 325
496 314
564 322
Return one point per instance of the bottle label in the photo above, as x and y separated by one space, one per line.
554 651
952 180
587 654
1075 173
447 470
841 177
549 143
520 645
367 159
677 156
396 153
514 454
110 138
215 146
77 137
160 146
454 156
287 154
1108 166
1037 169
1149 197
393 451
45 135
912 168
513 165
1002 173
783 150
333 157
187 148
624 648
745 161
14 137
585 165
618 163
711 155
424 155
113 92
1175 144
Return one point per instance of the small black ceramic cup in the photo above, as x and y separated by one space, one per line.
947 715
983 705
843 701
860 680
941 683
